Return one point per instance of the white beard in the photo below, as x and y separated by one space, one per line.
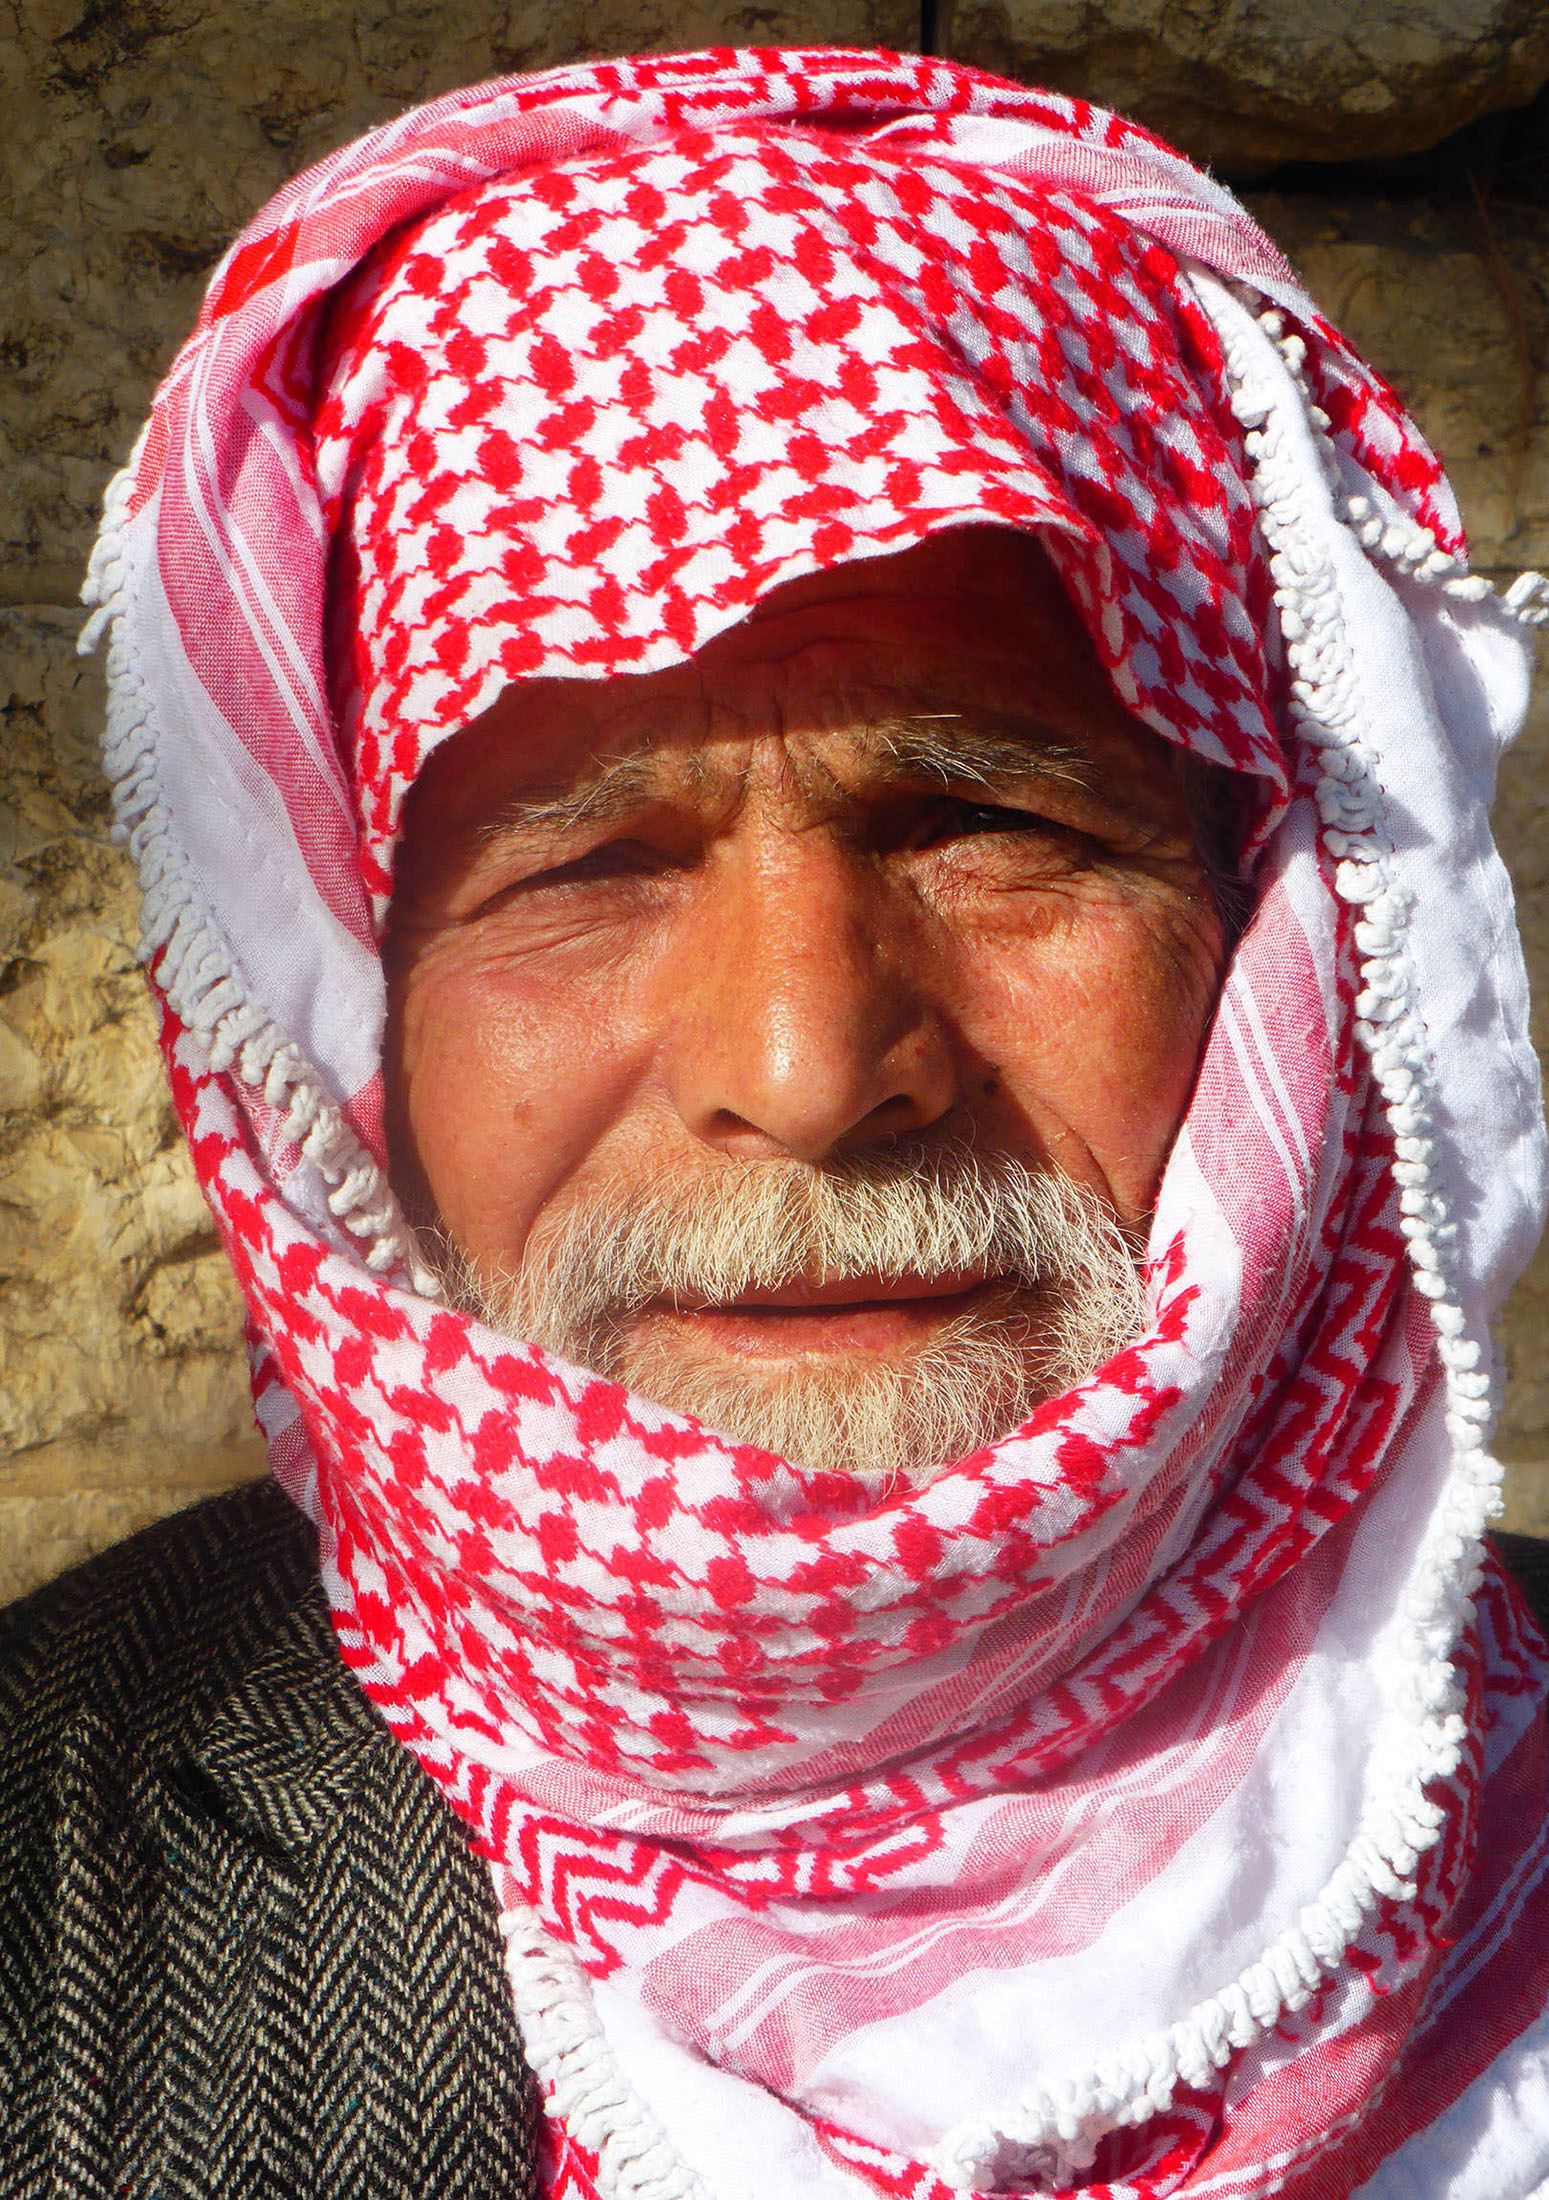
1070 1297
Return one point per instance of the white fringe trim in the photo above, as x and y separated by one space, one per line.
1414 551
195 966
1388 537
582 2083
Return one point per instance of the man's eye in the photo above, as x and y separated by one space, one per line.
993 817
970 818
606 860
609 859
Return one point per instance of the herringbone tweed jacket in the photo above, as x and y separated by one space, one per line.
245 1949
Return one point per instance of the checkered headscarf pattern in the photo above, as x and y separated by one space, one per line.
839 1831
578 422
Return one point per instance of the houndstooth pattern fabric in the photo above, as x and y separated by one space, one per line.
838 1831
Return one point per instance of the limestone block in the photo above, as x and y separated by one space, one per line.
65 1501
121 1324
1527 1498
1247 84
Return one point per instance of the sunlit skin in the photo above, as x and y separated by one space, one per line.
768 935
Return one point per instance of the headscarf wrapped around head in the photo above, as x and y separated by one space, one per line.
1118 1808
578 430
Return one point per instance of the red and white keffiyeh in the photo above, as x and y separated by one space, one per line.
1153 1802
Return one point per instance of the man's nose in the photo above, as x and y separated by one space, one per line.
802 1024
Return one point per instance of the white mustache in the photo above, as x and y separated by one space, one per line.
760 1226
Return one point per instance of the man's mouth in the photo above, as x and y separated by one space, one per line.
848 1314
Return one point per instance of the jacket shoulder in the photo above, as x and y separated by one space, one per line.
245 1945
111 1665
148 1633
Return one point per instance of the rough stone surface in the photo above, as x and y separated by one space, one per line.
1247 84
121 1386
122 1390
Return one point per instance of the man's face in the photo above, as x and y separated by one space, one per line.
797 1034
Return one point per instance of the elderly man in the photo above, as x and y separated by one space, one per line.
809 764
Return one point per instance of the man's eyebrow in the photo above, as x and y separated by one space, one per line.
952 750
942 747
612 792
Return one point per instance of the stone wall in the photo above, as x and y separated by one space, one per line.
138 136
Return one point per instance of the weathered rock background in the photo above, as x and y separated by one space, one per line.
1401 154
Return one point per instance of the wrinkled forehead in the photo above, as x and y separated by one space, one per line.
580 421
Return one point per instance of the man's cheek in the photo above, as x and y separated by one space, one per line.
504 1099
1096 1041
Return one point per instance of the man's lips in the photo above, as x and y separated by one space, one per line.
853 1291
875 1314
